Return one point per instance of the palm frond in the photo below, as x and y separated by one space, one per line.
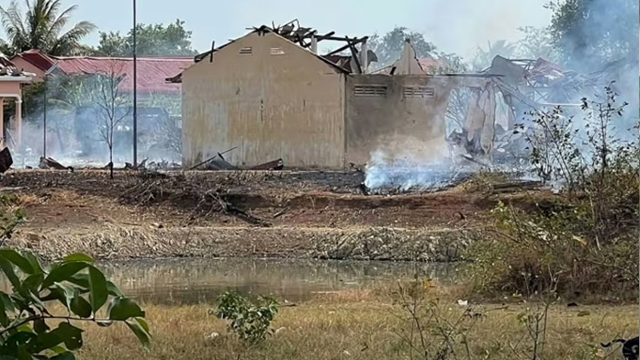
13 25
70 41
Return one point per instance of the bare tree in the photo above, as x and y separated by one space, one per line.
112 106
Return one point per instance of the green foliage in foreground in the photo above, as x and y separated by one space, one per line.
29 326
250 320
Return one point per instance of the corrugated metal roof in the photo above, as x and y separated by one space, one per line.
151 72
37 58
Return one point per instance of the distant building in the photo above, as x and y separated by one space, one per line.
12 78
151 71
158 102
270 95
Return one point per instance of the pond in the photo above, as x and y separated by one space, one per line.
191 281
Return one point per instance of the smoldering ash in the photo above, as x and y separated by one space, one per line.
405 173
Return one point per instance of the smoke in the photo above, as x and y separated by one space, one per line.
79 115
603 46
406 173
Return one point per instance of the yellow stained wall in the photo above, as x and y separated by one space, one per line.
270 105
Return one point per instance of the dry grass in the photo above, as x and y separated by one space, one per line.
356 325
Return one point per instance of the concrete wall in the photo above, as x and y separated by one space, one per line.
382 114
279 101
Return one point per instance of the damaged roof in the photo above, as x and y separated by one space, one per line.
338 62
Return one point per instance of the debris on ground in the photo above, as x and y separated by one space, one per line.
271 165
5 160
50 163
205 200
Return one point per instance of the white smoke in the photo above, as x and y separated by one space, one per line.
408 172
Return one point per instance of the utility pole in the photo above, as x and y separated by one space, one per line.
135 89
44 119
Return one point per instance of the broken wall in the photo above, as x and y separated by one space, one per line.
395 114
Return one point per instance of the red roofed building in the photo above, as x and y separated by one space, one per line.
151 72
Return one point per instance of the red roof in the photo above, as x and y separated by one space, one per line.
151 72
37 58
151 75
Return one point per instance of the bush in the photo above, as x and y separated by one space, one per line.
583 241
250 320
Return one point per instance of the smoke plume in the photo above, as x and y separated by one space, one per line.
602 34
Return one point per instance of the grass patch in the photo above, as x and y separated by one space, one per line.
359 325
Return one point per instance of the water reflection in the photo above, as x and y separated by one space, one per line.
190 281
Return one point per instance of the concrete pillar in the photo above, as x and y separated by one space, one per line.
364 61
314 44
18 123
2 142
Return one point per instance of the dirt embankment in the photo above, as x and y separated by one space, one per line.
279 214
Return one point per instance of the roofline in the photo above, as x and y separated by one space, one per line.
265 28
45 56
123 58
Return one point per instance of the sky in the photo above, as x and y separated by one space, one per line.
454 26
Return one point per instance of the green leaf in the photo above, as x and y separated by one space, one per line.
71 336
5 306
82 280
23 353
7 269
80 306
63 273
98 288
40 326
124 308
34 263
67 292
67 355
140 333
143 323
32 282
78 257
17 259
113 289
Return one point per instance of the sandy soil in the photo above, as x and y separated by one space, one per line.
88 205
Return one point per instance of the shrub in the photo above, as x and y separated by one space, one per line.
583 241
249 320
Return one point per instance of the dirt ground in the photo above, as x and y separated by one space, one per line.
88 202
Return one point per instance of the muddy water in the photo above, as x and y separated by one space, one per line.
190 281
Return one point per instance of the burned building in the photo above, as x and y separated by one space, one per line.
270 95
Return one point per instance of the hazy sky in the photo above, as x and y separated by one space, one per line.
453 25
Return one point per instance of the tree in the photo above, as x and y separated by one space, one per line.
112 107
458 97
590 33
74 282
484 57
42 27
156 39
389 47
536 43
